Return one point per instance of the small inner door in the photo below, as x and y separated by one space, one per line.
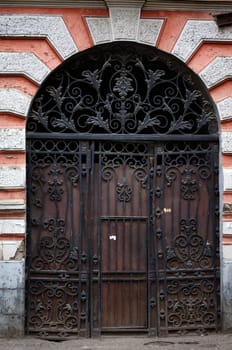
124 274
123 227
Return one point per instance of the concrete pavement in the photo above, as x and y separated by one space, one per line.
208 342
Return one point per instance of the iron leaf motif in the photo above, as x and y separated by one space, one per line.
99 121
122 93
153 77
147 122
93 78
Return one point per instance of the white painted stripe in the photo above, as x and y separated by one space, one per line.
14 101
217 71
25 63
12 177
51 27
12 139
12 226
225 108
12 204
197 31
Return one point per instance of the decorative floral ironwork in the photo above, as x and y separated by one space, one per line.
126 89
189 184
190 303
55 226
54 301
124 191
190 250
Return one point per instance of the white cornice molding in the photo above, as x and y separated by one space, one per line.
54 3
197 5
125 3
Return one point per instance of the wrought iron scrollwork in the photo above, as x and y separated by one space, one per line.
124 191
122 89
190 304
189 250
91 168
50 303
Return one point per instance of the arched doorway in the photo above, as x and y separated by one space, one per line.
122 174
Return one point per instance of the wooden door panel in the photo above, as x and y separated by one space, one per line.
124 273
124 303
123 218
124 245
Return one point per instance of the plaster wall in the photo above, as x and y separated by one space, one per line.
33 41
12 298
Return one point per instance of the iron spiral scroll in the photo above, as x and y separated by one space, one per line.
122 178
122 89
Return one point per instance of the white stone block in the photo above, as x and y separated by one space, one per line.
227 227
149 30
226 142
196 32
25 63
125 23
12 139
9 249
227 174
225 108
12 226
100 29
144 30
14 101
11 176
217 71
29 25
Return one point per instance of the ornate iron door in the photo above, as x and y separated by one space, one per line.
90 219
185 285
58 257
122 177
123 238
